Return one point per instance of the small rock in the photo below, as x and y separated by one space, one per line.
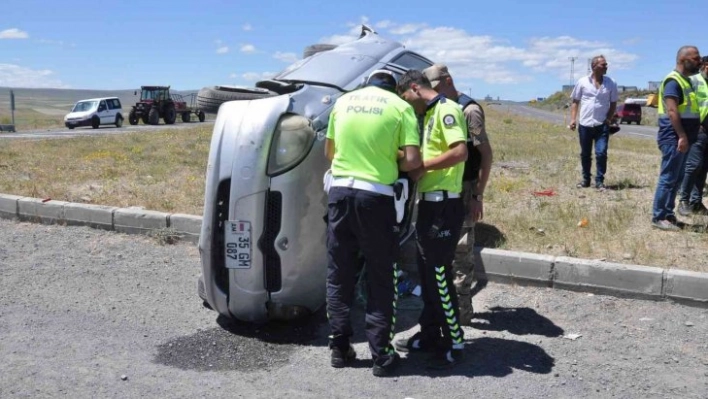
556 375
86 198
627 256
124 377
689 324
675 359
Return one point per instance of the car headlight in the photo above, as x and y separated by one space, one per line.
291 143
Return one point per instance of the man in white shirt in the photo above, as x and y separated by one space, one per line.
597 96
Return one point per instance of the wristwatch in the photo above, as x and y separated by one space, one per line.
477 197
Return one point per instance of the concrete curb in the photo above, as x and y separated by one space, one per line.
504 266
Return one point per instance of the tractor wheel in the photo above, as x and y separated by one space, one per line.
153 117
186 116
209 99
316 48
132 118
119 120
170 115
201 116
95 122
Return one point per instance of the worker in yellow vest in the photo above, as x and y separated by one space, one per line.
691 193
678 130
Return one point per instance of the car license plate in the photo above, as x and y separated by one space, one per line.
238 244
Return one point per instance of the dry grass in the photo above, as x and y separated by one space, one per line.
532 156
160 171
165 171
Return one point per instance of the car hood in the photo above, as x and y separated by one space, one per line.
78 115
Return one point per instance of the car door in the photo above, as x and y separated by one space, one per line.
103 112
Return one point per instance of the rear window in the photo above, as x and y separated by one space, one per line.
633 107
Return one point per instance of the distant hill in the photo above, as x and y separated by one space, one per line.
560 99
55 101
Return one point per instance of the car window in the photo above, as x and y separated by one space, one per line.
102 106
113 103
410 60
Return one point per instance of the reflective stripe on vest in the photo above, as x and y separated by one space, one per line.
689 106
701 88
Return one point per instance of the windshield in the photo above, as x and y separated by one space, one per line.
83 106
152 94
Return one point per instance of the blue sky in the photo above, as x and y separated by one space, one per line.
516 50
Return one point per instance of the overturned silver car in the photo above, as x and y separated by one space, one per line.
262 243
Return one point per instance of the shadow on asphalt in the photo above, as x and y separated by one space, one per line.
495 357
517 321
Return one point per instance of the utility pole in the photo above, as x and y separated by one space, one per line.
572 70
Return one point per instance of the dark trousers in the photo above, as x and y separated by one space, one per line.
361 223
436 251
694 176
600 135
673 165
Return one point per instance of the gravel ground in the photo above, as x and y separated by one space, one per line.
87 313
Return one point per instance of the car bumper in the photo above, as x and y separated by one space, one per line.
286 276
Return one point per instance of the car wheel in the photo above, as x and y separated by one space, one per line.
316 48
639 122
186 116
95 122
119 121
132 118
70 127
210 99
153 117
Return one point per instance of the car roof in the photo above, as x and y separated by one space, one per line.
99 99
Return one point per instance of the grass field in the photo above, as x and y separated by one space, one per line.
531 199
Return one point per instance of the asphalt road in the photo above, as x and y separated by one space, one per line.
557 118
87 313
103 130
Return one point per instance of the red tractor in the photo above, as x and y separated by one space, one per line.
156 102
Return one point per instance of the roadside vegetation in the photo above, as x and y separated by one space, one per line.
531 203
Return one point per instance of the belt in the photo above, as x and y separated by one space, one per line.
437 196
363 185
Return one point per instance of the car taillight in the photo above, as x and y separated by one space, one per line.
291 143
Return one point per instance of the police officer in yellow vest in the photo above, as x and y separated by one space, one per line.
694 180
678 130
372 134
440 217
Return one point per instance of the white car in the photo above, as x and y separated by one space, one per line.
95 112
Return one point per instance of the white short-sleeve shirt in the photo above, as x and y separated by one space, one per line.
594 102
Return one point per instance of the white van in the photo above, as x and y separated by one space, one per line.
95 112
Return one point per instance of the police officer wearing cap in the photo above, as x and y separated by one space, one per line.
440 217
371 136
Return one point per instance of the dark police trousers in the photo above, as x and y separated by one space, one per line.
362 222
438 230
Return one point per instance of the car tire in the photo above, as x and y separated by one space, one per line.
153 117
210 98
119 121
95 122
639 122
70 127
132 118
316 48
186 117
